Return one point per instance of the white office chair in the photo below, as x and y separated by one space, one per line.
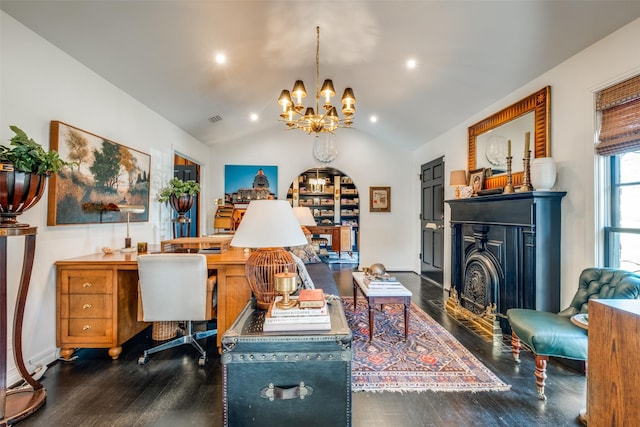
173 287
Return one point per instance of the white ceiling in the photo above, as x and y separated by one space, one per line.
469 53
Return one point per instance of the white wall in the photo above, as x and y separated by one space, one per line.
573 84
40 83
384 237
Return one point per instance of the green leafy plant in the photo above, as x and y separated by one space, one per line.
28 156
178 187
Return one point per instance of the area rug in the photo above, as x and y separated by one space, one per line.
430 359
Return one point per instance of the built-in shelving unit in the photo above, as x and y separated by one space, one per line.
332 197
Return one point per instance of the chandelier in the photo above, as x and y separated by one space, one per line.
315 120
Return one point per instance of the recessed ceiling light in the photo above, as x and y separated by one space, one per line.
221 58
411 64
254 117
373 119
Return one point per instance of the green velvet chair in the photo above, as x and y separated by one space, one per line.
551 334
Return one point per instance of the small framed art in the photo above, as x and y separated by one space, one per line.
379 199
476 180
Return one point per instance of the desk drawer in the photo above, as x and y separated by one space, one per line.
100 329
88 306
86 281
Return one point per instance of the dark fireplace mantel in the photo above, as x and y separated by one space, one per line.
505 250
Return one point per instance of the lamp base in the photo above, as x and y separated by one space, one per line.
127 250
261 268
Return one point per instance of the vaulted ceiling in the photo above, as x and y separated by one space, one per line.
468 55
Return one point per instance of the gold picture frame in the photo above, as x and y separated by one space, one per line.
476 180
379 199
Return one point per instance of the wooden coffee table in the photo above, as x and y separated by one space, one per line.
399 295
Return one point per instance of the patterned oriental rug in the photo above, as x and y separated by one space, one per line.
431 358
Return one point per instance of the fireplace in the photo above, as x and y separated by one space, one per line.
505 253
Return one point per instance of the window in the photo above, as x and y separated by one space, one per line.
622 237
618 109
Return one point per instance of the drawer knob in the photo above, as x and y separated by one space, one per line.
87 285
87 306
86 328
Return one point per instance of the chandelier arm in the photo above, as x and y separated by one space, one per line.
317 69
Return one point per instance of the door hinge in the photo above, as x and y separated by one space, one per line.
420 177
420 256
420 216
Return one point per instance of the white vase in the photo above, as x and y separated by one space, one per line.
543 173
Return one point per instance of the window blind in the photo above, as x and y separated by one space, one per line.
619 109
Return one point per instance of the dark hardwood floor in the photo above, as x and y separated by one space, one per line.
171 390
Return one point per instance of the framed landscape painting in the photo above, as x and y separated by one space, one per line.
108 174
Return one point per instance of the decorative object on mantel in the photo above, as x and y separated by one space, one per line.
526 176
268 225
457 179
476 180
129 209
508 188
313 120
543 173
24 169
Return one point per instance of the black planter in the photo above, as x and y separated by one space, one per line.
19 191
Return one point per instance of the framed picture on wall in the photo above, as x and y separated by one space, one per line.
243 183
379 199
476 180
109 174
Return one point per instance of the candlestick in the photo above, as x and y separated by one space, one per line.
527 135
508 148
508 189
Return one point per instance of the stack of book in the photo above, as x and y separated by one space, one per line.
313 315
382 282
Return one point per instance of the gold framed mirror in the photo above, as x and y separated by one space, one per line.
533 110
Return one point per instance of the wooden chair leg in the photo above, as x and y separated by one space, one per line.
541 374
515 347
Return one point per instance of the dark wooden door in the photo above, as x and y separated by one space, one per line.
186 173
432 220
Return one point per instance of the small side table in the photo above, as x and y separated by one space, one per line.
400 295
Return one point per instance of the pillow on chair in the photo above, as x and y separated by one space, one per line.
305 280
305 252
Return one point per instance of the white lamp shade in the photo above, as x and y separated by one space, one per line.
304 215
268 224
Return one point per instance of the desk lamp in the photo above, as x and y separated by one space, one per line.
305 217
268 225
129 209
457 179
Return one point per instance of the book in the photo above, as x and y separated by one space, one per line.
297 319
296 311
292 327
311 298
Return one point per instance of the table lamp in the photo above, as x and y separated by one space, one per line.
129 209
305 217
268 225
458 178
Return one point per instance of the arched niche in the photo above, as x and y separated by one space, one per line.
333 199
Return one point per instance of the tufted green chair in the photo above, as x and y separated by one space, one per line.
550 334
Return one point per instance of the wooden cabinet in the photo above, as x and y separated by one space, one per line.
613 380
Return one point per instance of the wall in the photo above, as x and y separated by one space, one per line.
573 84
384 237
40 83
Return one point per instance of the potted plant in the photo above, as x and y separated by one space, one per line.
24 168
180 195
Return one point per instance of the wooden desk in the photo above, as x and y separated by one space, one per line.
97 298
340 236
